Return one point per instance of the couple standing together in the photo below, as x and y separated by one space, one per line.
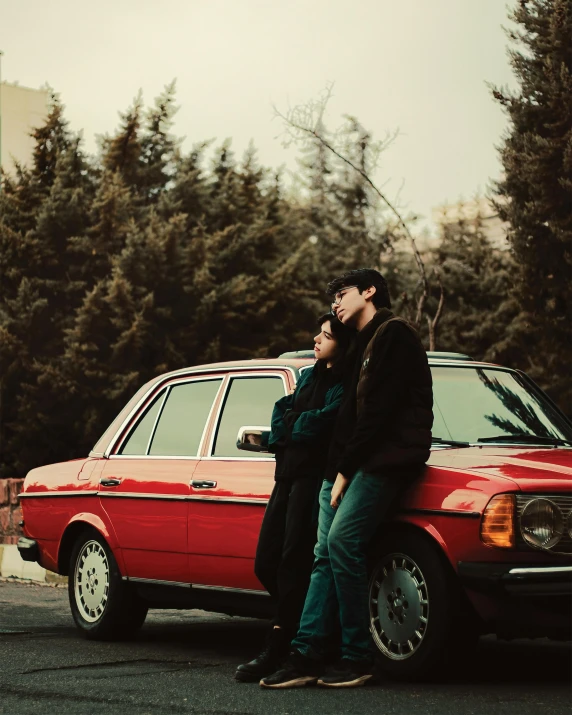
350 439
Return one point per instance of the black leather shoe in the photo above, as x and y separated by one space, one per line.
264 664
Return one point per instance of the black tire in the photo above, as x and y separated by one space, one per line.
420 622
103 606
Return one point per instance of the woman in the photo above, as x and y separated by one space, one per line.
300 433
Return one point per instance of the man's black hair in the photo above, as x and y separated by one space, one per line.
363 278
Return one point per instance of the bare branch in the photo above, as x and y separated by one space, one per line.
312 128
432 324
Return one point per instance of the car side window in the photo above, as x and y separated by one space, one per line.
138 440
183 418
249 402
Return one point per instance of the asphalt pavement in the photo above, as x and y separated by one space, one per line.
184 661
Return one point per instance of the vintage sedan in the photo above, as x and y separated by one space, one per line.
166 509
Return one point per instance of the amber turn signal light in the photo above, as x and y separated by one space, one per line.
497 526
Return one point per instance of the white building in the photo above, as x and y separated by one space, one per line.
21 110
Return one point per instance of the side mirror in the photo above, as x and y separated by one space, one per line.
249 439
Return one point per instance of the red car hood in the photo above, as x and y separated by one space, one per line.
531 469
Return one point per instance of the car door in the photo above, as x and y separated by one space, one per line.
144 485
230 487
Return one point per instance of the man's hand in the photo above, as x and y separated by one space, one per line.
253 438
340 486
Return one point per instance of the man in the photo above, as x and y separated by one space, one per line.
382 439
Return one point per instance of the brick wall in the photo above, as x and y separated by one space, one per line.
10 511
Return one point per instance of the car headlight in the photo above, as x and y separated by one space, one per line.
497 526
541 524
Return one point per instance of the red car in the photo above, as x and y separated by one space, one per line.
165 511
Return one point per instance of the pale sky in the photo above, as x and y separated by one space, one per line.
420 66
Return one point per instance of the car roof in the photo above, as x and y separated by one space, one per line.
298 363
255 362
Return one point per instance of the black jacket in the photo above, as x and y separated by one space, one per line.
392 427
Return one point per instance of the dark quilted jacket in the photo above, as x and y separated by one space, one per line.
392 426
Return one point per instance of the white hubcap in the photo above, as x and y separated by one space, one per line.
398 606
91 581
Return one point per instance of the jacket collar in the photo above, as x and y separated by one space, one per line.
367 332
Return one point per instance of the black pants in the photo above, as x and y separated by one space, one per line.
285 551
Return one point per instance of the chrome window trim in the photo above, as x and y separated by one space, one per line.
159 413
180 381
254 373
149 456
164 394
185 375
238 459
230 368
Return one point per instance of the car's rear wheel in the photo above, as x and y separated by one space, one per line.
102 605
419 620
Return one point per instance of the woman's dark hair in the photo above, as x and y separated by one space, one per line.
363 278
344 339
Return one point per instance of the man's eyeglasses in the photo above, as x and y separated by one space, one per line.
340 294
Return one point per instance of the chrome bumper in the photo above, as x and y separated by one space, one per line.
517 579
28 549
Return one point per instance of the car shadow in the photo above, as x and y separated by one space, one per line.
518 661
493 661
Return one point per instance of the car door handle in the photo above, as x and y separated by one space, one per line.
202 484
110 482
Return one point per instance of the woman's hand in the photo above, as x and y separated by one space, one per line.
340 486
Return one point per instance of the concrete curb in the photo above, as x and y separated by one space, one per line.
13 566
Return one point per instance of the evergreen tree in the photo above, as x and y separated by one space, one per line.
122 152
22 330
144 151
535 195
190 192
109 220
41 209
346 220
478 278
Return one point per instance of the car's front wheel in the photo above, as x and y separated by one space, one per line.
102 605
419 620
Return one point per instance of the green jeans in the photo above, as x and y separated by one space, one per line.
339 582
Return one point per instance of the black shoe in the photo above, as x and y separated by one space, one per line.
348 674
297 671
264 664
268 661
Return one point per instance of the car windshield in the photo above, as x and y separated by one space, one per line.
487 405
